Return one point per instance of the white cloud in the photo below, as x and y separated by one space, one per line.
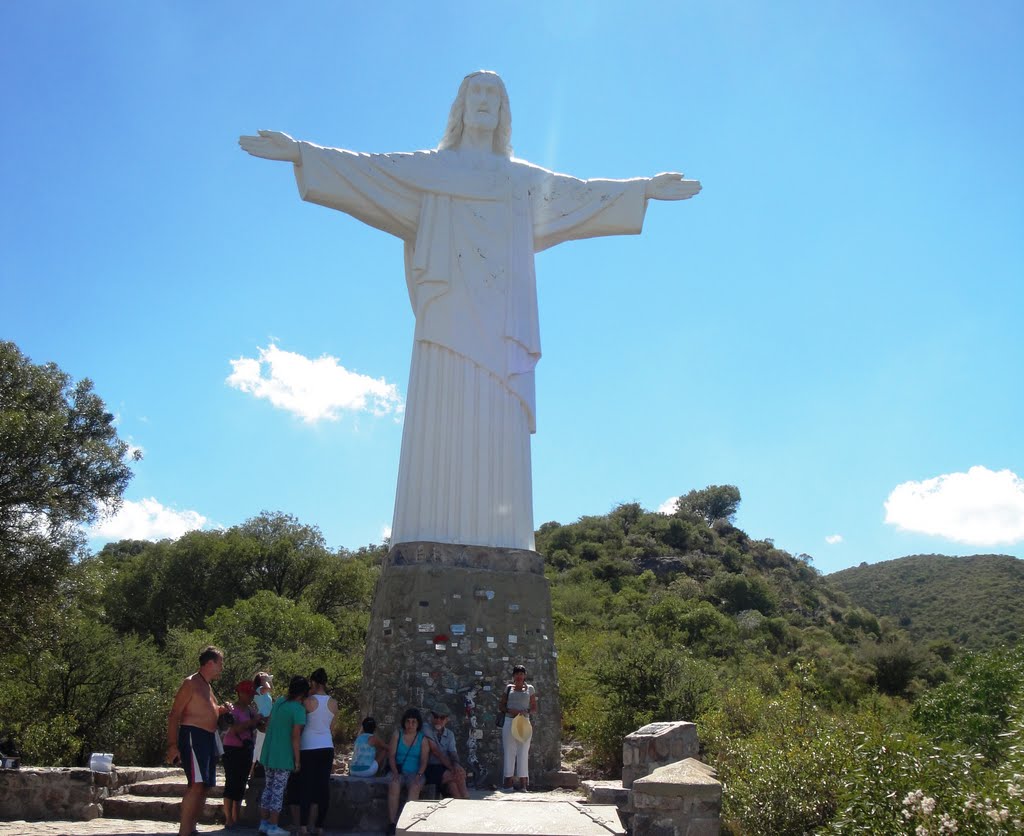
385 532
315 390
147 519
668 506
834 539
981 507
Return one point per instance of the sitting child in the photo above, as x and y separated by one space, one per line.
369 753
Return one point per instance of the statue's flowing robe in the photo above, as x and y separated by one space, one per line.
471 223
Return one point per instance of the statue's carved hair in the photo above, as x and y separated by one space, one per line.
502 134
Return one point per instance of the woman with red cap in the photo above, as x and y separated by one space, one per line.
238 743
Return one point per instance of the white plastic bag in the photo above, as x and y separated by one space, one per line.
101 761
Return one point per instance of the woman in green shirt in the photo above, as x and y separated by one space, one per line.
280 755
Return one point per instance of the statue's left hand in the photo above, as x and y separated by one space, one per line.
671 186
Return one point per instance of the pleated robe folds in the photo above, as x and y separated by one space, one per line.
471 224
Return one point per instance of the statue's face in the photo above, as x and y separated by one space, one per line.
483 103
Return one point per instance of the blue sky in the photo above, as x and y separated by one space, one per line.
833 325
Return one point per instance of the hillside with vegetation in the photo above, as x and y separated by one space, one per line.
975 602
819 716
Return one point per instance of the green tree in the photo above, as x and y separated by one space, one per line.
895 662
641 681
61 464
741 592
167 585
715 502
73 685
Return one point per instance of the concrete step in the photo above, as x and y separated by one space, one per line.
606 792
157 808
173 786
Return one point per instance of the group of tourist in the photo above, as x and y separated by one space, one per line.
292 738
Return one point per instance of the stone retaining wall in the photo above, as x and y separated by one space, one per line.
75 794
36 794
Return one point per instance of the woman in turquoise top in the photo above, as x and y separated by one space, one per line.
280 756
369 753
407 755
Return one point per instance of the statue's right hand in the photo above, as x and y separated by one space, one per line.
271 145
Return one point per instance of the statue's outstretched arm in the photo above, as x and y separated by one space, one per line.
271 145
670 186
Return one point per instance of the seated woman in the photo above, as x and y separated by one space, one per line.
369 753
407 755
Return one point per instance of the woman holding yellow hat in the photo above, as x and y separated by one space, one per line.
519 703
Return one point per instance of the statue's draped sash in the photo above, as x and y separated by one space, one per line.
471 225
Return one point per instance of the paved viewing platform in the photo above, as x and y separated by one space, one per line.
669 795
128 827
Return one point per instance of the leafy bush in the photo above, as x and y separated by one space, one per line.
632 682
976 706
783 772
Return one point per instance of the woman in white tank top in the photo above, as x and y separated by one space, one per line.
317 747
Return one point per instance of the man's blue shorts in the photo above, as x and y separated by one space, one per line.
198 752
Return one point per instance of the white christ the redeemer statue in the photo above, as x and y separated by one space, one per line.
471 217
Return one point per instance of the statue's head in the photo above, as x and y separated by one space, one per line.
479 87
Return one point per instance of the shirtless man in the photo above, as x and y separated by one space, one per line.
191 727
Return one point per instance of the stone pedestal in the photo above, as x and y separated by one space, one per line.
681 799
657 744
447 625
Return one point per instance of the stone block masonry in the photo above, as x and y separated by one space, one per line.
680 799
447 625
77 794
657 744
